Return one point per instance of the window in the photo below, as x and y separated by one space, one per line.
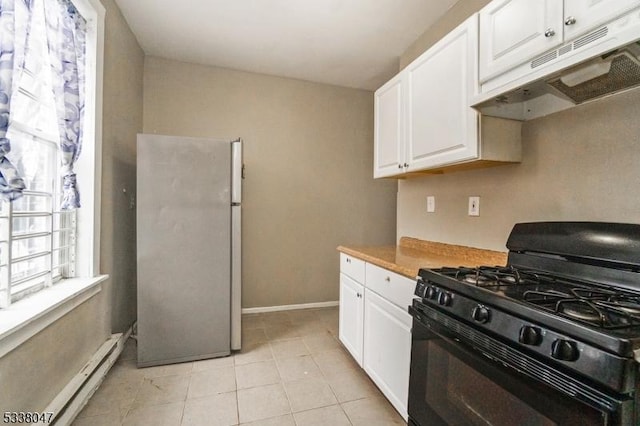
38 240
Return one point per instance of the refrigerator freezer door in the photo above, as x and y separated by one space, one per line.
184 249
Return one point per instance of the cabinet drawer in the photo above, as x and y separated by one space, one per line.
397 289
352 267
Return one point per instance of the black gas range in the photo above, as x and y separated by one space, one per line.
556 332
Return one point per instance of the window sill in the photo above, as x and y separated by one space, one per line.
25 318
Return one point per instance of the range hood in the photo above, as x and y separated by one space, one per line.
595 65
605 75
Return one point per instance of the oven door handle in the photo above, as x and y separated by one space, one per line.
412 311
417 314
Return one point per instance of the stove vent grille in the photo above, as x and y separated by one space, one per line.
583 41
544 59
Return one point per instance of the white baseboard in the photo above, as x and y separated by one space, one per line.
74 396
289 307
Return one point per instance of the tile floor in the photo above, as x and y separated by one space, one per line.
292 370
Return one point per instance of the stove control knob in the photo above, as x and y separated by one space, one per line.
564 350
421 288
481 314
444 298
530 335
432 292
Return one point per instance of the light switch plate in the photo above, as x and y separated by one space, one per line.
431 204
474 206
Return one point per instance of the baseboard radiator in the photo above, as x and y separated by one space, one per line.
71 400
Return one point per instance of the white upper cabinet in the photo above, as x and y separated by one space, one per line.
388 139
423 119
514 31
441 127
581 16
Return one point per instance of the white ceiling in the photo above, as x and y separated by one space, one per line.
352 43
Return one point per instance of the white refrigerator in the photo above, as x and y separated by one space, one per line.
188 247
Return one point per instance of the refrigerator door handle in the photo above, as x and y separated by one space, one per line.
236 278
237 172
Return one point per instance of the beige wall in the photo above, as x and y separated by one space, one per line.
309 159
33 374
579 164
122 121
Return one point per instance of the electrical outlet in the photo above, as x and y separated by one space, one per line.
474 206
431 204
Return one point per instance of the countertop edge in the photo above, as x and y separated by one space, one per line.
377 261
415 254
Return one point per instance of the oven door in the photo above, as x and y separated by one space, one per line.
453 382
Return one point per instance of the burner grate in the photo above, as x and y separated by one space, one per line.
581 301
604 308
488 276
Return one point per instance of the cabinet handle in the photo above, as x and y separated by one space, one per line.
406 165
570 20
388 279
549 33
399 166
348 260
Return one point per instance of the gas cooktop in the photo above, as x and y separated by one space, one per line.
581 279
588 303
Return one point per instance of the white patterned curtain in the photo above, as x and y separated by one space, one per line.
66 30
15 16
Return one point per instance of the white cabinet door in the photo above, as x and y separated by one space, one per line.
580 16
351 316
387 348
514 31
388 141
441 126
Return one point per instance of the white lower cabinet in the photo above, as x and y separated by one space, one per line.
351 316
387 348
375 326
352 267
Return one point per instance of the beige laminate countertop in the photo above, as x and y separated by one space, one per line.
411 254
